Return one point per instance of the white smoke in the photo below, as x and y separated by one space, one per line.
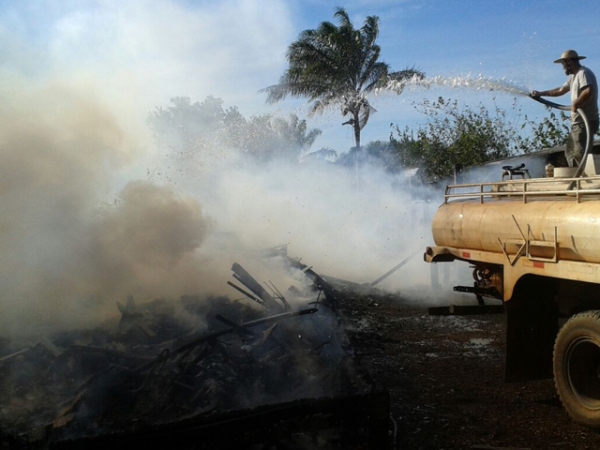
92 213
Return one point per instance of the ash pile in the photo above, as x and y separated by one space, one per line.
251 372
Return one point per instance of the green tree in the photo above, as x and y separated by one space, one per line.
183 126
268 137
337 66
455 137
296 134
188 129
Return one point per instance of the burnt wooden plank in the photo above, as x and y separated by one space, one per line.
247 280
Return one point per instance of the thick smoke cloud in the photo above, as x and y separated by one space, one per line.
93 213
79 230
65 254
145 245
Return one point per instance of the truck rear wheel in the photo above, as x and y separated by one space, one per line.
577 367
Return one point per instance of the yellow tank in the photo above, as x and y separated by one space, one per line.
496 224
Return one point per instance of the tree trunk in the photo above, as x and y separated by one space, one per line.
356 126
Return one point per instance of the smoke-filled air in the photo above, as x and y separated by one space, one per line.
94 212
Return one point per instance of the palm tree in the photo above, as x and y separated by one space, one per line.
337 66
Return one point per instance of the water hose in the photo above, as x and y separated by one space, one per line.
589 137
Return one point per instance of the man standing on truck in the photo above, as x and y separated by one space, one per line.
584 94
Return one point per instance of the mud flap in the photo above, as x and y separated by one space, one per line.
531 329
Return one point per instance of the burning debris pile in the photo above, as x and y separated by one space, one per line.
170 361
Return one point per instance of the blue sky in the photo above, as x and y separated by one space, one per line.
136 55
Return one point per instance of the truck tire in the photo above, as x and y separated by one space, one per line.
577 367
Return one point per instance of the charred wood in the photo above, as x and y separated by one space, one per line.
216 334
247 280
320 284
359 421
114 382
235 325
247 294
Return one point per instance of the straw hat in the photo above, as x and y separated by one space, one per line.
569 54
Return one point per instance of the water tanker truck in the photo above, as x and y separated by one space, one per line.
534 244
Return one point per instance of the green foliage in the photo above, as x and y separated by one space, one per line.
190 128
455 136
337 66
268 137
551 132
181 125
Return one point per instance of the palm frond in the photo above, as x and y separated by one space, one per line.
336 65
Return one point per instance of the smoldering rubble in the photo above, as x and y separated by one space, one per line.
168 360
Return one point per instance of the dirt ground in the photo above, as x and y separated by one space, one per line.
445 378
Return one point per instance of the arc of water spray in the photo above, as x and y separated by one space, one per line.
478 83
